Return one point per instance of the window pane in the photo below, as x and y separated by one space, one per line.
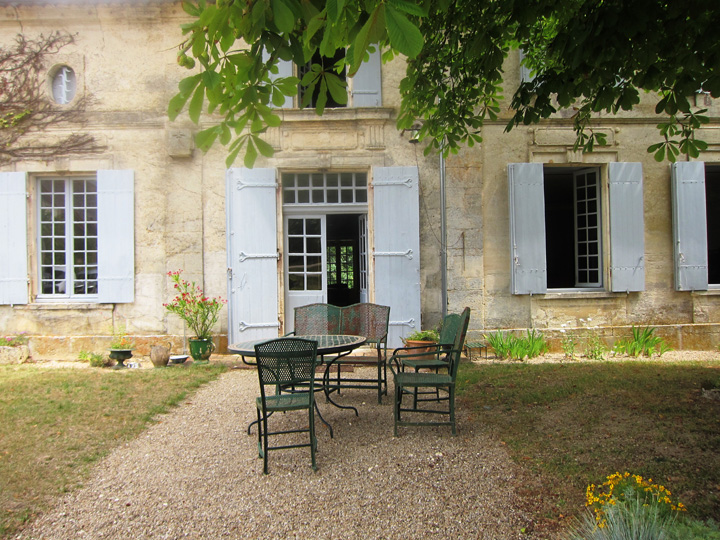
296 264
314 226
314 245
314 283
314 264
296 245
296 282
295 226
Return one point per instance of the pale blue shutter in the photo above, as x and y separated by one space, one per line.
367 83
13 238
116 236
689 226
252 252
627 227
527 228
525 72
396 253
285 69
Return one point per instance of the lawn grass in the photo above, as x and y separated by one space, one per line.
57 422
572 424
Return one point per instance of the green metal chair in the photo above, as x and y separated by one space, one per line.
448 331
288 366
410 382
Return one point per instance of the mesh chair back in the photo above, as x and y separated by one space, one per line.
459 343
449 330
286 362
318 319
369 320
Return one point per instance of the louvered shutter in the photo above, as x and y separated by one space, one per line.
116 236
627 227
689 226
13 238
527 228
367 83
396 253
252 254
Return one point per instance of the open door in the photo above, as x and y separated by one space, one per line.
396 220
252 255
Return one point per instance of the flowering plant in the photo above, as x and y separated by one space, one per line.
619 488
198 311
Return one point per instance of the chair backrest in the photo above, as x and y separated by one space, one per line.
369 320
286 361
318 319
449 329
459 343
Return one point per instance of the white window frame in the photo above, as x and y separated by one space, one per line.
68 237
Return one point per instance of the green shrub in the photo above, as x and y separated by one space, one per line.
507 345
692 529
628 507
643 342
595 349
95 359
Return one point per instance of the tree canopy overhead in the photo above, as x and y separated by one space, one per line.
590 56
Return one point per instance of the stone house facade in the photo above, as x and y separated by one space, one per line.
347 210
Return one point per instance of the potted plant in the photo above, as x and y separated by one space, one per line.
121 347
421 341
199 312
422 338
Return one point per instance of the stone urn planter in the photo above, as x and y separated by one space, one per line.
159 356
120 355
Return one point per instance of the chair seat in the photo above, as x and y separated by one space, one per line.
285 402
427 363
423 379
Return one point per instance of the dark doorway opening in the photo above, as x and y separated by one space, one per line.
343 259
712 201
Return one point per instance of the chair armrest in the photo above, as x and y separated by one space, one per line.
402 352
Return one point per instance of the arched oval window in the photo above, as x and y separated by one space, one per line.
63 85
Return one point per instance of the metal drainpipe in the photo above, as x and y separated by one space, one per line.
443 235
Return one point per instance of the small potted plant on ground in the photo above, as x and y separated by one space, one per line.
199 312
121 347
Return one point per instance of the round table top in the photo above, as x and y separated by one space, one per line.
327 344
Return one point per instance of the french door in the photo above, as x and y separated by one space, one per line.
305 263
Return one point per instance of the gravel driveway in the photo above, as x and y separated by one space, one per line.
196 474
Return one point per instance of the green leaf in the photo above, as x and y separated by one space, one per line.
176 105
337 88
250 154
204 139
283 16
404 35
196 103
412 8
264 148
225 134
211 79
188 84
372 31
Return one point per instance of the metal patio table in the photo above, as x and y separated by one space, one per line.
329 345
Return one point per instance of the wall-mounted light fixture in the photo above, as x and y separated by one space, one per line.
414 132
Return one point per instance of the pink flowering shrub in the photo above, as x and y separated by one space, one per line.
199 312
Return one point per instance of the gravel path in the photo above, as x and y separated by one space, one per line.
196 474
